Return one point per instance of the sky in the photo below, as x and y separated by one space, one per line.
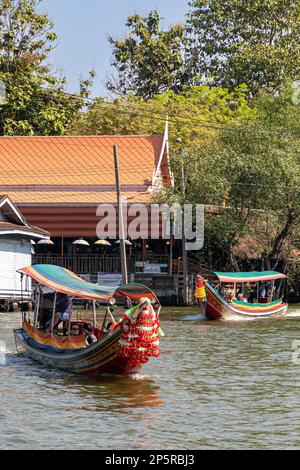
83 26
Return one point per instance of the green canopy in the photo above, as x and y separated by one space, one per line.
62 280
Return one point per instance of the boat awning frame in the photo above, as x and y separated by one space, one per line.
66 282
253 276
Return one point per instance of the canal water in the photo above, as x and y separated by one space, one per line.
217 385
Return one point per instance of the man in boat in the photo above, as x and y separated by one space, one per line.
64 311
46 307
75 330
200 293
90 338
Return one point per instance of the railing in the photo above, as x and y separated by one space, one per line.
106 264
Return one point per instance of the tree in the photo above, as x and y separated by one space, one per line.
251 175
252 42
149 61
194 114
35 102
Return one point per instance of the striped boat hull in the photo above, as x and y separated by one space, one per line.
218 309
99 358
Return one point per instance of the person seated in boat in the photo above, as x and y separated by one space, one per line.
90 338
109 328
200 293
262 291
229 296
75 330
252 297
247 290
241 298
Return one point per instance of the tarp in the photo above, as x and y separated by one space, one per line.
62 280
253 276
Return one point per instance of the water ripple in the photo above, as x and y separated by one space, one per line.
216 386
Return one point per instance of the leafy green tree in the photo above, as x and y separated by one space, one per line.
195 114
35 102
253 42
149 61
249 179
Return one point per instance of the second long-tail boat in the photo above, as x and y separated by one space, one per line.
223 300
123 349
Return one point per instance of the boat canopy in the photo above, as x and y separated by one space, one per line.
254 276
64 281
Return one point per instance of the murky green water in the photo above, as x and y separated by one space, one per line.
215 386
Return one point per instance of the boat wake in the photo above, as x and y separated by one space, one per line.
295 314
199 317
137 376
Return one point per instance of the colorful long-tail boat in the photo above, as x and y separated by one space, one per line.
124 349
221 307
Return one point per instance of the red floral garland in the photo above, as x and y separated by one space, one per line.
139 337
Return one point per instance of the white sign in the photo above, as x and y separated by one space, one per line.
112 279
152 268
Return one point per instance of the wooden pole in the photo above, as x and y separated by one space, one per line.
121 219
184 252
171 245
37 306
272 291
94 313
144 257
53 313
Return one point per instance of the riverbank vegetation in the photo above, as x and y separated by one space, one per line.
228 81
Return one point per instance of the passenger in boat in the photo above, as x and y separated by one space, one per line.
75 330
109 327
241 298
229 296
262 291
247 290
90 338
64 311
252 297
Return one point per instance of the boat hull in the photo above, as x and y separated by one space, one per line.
218 309
99 358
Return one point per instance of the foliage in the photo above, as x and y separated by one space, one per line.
254 180
36 102
195 114
252 42
148 61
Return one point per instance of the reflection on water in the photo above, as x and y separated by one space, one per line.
216 385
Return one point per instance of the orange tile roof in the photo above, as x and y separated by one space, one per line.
77 160
77 197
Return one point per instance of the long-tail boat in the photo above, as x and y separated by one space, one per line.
224 302
124 349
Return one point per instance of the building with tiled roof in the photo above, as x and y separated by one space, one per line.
49 177
16 238
58 182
